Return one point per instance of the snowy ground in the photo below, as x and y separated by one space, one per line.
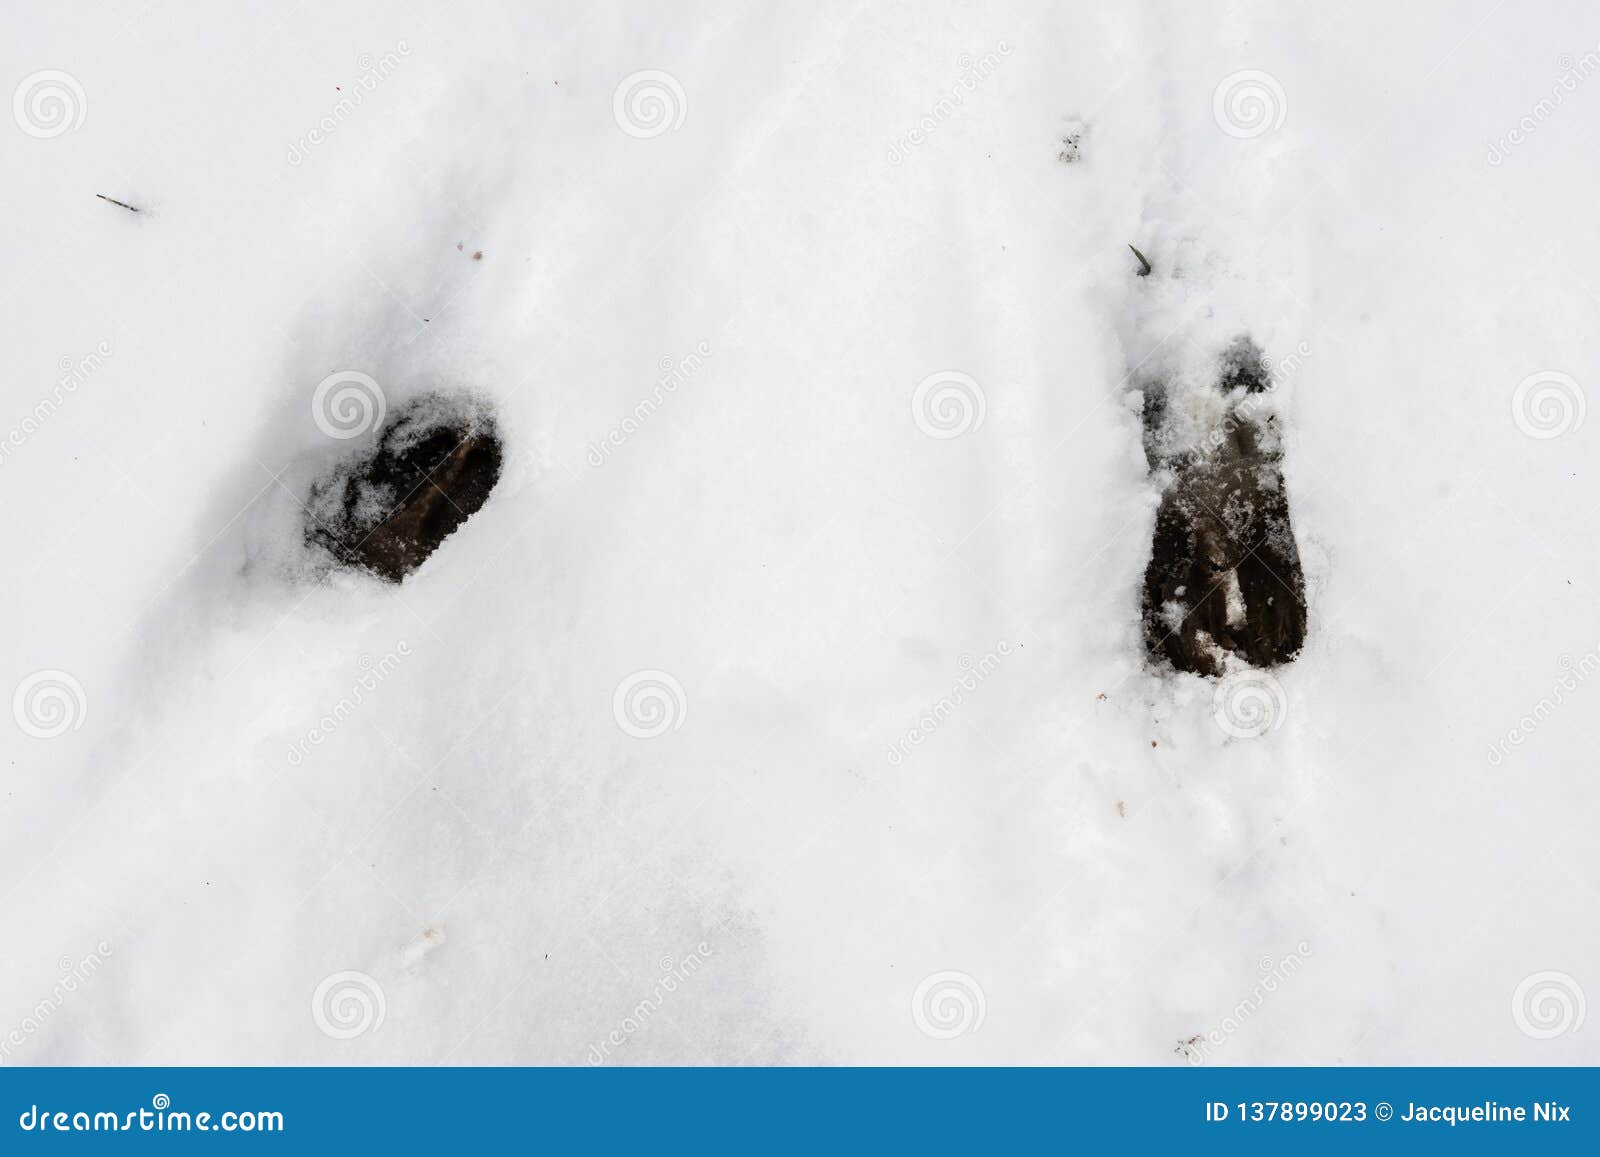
488 856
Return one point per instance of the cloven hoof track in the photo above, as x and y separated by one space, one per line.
1224 574
436 460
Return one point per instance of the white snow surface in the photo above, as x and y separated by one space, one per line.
514 872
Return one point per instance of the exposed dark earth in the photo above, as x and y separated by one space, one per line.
385 511
1224 575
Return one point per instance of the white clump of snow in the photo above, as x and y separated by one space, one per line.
266 793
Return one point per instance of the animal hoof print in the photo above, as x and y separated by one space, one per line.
1224 577
384 511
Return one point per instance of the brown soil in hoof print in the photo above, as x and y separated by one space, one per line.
433 467
1224 575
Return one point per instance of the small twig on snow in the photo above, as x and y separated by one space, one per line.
119 204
